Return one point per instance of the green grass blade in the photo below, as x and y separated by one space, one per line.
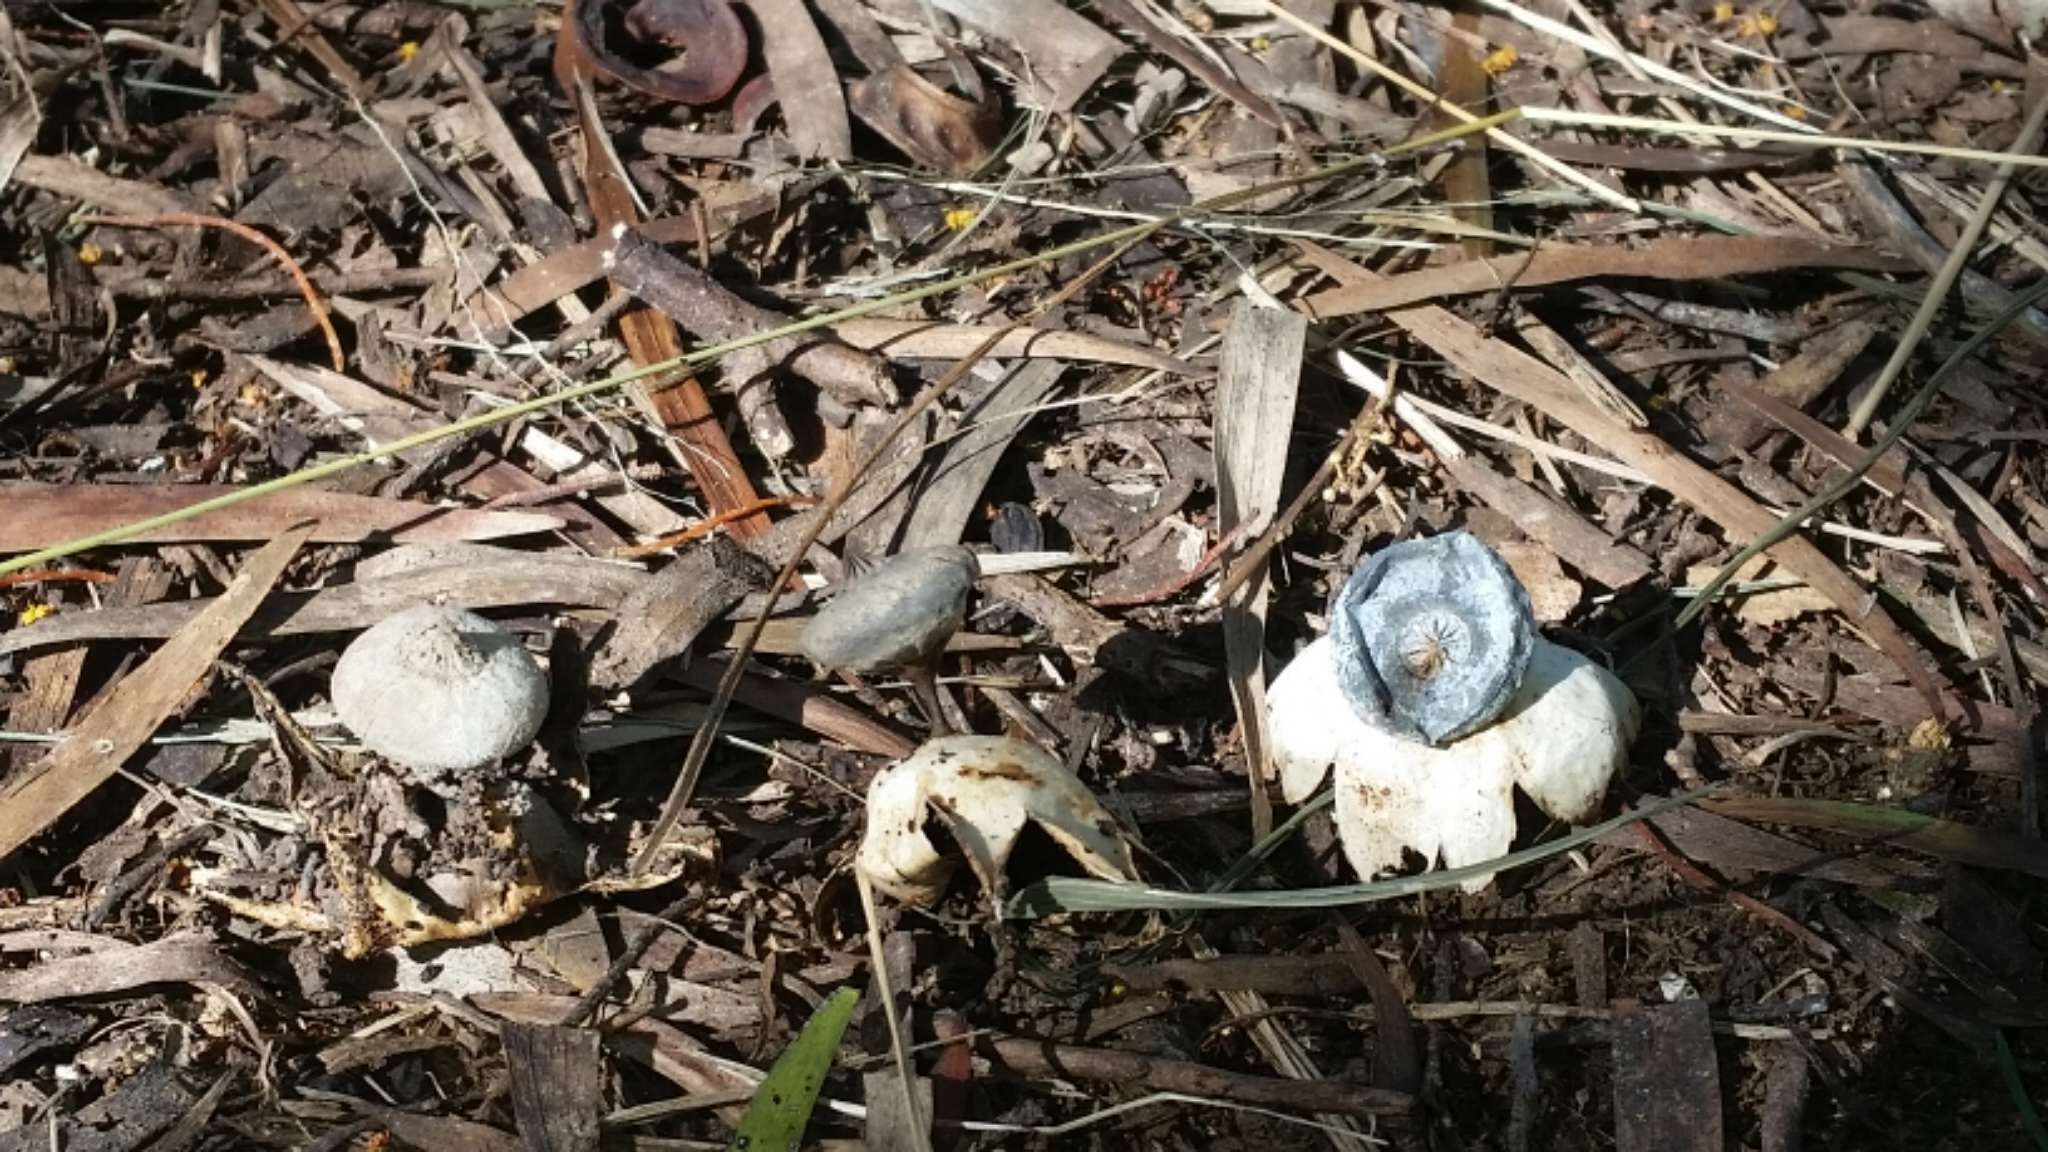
1943 839
1069 894
2009 1070
782 1106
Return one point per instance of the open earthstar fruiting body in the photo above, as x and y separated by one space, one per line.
1434 699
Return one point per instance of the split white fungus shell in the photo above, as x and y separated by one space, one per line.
438 690
986 789
1560 739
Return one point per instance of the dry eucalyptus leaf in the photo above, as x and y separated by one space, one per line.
1764 609
928 124
1995 21
1552 594
707 38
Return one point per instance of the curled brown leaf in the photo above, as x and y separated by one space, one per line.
928 124
707 36
755 98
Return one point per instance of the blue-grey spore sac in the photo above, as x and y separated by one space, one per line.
896 613
1432 637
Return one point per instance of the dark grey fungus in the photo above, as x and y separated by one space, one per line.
1432 637
896 614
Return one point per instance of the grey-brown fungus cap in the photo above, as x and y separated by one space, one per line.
1432 637
897 613
439 690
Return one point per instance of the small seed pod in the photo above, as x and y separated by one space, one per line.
1433 637
438 690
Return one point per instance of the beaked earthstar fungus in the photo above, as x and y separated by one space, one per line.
1434 698
438 690
897 615
985 790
